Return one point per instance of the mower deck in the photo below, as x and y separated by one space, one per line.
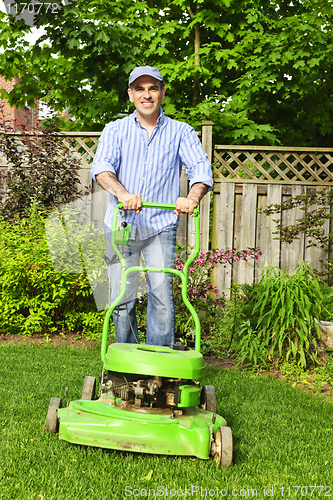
105 424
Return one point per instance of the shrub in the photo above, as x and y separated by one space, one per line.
41 170
34 298
281 317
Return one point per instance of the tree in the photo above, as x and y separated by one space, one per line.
261 70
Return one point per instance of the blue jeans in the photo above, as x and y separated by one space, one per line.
157 251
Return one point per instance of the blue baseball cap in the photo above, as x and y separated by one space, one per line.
145 70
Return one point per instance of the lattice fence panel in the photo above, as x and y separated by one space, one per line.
273 165
83 146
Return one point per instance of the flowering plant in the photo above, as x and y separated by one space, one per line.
199 286
201 293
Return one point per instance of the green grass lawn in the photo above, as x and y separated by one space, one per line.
283 437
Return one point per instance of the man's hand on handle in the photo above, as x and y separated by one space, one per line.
131 201
109 181
187 205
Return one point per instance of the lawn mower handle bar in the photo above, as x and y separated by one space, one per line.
164 206
181 274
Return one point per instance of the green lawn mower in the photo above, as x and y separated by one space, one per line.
150 399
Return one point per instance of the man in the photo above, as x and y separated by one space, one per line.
140 157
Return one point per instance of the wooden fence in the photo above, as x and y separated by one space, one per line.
245 178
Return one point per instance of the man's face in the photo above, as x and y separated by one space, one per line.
146 96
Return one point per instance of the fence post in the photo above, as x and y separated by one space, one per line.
206 141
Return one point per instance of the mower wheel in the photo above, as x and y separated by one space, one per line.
208 398
89 388
52 421
223 446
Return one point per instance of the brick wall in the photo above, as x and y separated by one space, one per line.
16 117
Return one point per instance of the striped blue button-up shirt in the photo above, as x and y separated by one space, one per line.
151 166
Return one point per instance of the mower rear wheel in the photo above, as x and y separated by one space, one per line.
52 421
223 446
89 388
208 398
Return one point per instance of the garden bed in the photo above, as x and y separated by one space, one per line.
317 381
